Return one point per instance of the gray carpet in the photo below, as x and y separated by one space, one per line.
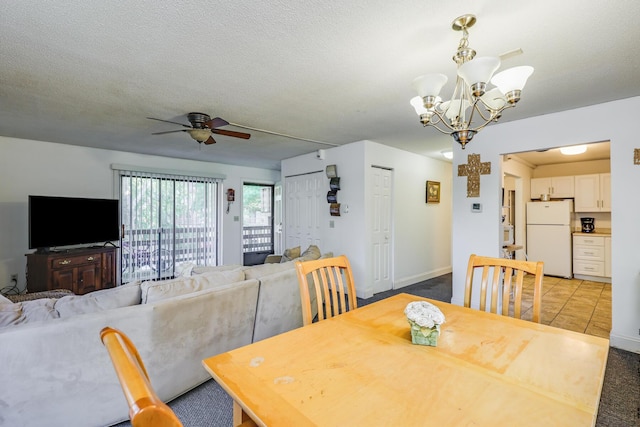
209 406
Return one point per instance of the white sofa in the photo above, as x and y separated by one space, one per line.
55 371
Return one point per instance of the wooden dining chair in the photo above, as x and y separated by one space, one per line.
145 407
331 282
506 280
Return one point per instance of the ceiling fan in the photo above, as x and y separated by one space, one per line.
203 127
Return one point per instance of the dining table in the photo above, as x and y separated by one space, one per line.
361 369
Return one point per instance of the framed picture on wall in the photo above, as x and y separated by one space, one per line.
433 192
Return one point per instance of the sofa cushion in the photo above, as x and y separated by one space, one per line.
290 254
105 299
160 290
27 312
260 270
200 269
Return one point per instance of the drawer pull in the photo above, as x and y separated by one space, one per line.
90 258
588 253
65 262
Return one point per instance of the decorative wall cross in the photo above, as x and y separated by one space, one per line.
472 170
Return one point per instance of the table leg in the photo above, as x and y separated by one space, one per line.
240 418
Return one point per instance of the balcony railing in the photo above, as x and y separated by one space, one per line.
156 253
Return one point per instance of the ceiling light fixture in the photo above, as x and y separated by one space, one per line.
573 150
448 154
470 97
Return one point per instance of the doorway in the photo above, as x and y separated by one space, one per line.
257 222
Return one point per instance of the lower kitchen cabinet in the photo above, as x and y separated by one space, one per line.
592 258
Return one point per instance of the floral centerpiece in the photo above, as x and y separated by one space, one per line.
425 320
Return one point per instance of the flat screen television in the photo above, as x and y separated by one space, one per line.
66 221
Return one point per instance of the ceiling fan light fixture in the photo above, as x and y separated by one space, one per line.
470 108
200 135
573 150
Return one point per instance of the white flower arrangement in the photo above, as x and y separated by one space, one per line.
425 320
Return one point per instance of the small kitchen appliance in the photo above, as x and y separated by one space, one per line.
588 225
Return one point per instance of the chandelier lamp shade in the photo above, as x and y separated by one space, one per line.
473 105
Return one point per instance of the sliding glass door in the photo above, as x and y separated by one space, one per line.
168 220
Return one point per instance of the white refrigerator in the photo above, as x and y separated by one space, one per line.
549 236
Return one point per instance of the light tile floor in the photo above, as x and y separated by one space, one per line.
573 304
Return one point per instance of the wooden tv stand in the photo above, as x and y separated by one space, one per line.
80 270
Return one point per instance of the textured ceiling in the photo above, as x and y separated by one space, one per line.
89 72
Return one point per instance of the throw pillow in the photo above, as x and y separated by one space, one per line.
311 253
290 254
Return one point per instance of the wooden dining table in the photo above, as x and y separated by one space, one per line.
361 369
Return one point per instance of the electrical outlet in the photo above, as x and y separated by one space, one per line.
14 278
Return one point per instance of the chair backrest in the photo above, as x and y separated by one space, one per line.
507 275
145 407
333 287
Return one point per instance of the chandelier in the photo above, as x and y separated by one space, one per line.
472 106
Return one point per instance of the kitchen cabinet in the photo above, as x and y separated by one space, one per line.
607 256
559 187
591 257
593 193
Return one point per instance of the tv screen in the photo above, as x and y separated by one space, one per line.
65 221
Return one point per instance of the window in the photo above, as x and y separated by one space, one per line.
257 222
167 220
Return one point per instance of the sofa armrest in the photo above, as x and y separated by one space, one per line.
272 259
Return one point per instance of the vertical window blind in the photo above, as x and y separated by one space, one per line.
168 220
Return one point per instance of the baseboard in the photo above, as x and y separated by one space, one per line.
624 342
412 280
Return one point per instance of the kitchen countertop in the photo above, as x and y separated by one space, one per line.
605 232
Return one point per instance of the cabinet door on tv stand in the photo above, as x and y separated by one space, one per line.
63 279
108 269
88 279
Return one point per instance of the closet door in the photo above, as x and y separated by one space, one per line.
304 199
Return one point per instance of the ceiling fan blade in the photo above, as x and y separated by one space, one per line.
510 54
231 133
170 131
216 123
210 141
168 121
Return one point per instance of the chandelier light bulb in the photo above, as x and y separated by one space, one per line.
512 79
429 84
477 73
418 105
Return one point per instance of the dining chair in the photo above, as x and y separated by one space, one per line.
145 407
331 281
506 280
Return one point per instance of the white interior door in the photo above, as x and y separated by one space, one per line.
302 210
277 219
381 233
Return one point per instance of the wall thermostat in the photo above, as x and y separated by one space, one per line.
476 207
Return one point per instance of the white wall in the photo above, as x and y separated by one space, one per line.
479 233
422 233
45 168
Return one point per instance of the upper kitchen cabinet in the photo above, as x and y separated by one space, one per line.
593 193
558 187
